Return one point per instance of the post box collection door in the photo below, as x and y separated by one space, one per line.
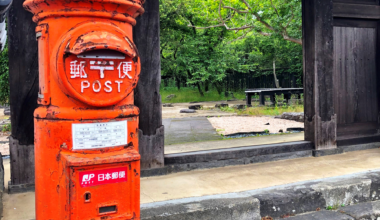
86 145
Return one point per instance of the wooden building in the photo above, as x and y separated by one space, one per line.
341 83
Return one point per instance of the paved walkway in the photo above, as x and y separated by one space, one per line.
255 176
224 180
183 130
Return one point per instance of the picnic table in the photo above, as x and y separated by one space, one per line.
272 92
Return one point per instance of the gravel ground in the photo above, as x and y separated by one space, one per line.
174 112
235 124
4 147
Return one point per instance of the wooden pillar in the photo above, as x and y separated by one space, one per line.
320 120
23 80
146 35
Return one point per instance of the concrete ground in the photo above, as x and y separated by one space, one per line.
255 176
16 206
182 130
230 143
225 180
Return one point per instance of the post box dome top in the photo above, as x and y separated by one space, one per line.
122 10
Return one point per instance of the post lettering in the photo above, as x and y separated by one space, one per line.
109 88
83 86
99 86
118 85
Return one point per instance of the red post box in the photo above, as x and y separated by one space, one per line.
86 126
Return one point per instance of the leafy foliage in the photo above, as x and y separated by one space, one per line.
204 56
265 17
4 76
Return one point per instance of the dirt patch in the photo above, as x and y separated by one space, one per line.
235 124
207 110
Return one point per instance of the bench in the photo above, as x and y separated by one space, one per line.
272 92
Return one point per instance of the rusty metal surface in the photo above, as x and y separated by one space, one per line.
121 10
86 128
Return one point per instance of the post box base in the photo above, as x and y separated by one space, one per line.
90 169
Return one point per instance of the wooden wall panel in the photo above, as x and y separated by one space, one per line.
320 118
355 76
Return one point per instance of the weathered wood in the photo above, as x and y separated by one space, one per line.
355 139
320 121
349 22
377 77
357 129
366 2
146 35
22 162
23 80
355 77
344 10
153 149
237 152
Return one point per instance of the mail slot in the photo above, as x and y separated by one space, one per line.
86 146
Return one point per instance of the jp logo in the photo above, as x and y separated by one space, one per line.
87 177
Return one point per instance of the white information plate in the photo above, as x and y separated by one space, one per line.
99 135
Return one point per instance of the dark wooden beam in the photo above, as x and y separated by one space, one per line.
362 11
320 120
236 152
146 35
23 80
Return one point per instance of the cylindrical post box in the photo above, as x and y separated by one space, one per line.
86 126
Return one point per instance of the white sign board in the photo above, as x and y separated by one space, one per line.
99 135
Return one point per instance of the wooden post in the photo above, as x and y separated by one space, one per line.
320 120
23 80
146 35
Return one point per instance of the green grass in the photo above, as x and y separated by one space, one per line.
188 94
265 110
6 128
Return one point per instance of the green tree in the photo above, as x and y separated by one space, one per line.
4 76
265 17
197 55
204 56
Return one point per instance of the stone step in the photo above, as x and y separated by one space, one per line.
361 211
358 193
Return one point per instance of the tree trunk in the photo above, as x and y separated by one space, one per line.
218 88
200 89
274 74
206 86
23 80
178 80
146 35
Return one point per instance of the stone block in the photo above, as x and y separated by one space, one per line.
205 208
170 96
7 111
195 107
187 111
368 210
322 215
239 106
168 105
222 105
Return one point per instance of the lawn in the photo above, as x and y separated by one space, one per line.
188 94
265 110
